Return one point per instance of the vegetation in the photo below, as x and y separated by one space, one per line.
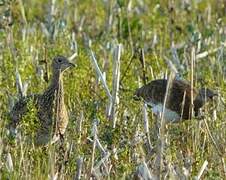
117 33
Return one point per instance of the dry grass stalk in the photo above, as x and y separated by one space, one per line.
161 138
210 52
143 172
21 87
202 170
22 12
19 84
97 167
94 147
175 58
212 138
115 83
145 114
9 163
79 163
191 79
73 56
224 165
196 130
146 128
170 65
100 75
98 145
80 120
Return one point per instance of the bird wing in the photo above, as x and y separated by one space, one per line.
153 92
21 108
180 98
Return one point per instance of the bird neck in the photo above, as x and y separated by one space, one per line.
57 80
199 101
56 84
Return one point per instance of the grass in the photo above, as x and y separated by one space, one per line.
37 33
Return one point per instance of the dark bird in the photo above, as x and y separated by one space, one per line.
178 104
51 110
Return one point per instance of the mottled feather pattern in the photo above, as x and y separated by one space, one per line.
51 110
20 108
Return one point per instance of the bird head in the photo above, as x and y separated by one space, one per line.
61 63
206 94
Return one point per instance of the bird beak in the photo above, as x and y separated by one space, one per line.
136 96
214 94
67 66
71 65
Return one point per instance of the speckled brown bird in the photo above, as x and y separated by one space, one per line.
51 110
178 105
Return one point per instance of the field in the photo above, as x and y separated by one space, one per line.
117 46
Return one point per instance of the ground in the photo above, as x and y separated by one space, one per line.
33 32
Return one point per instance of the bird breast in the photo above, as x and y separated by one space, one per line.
62 118
61 111
169 115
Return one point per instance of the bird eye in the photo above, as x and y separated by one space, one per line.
59 60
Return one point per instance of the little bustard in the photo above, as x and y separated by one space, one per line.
51 110
178 105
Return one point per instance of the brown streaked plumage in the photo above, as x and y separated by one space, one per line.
178 100
51 110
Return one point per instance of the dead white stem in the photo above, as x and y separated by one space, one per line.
94 146
53 3
182 109
22 11
73 56
79 126
154 40
10 43
224 166
146 127
221 52
74 44
212 138
21 88
19 83
161 140
80 120
175 57
98 145
146 124
102 161
45 30
79 168
9 163
170 65
100 75
199 45
193 58
191 108
1 147
207 53
109 18
55 176
209 14
202 170
143 172
115 83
